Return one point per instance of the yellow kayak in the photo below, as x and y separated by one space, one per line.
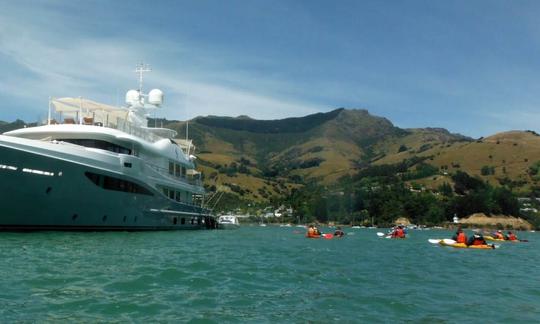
465 246
491 238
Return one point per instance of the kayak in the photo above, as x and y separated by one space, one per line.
491 238
465 246
325 236
454 244
389 236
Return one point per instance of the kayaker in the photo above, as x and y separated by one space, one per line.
398 232
499 235
460 236
313 231
339 232
511 236
310 231
476 239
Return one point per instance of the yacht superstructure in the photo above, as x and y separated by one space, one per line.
99 167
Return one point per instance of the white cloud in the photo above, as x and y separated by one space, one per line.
43 62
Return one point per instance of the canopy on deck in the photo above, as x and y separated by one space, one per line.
88 108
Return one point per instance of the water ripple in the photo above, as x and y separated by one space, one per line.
262 275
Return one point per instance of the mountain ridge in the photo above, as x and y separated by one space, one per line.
261 160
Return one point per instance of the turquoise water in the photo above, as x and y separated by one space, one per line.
263 274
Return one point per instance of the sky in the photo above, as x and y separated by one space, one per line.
471 67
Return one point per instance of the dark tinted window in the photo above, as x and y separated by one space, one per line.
116 184
98 144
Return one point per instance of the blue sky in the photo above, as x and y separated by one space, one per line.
469 66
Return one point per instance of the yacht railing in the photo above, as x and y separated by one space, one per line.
115 119
165 172
130 128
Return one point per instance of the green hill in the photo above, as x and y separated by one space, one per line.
261 160
264 161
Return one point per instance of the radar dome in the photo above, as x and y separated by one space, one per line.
132 96
155 97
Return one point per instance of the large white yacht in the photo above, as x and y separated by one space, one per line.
100 167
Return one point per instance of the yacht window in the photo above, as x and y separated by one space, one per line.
99 144
171 168
171 194
183 221
93 177
116 184
183 171
178 196
177 170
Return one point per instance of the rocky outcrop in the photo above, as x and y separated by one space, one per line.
496 221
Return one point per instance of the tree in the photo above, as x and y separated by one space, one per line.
402 148
464 182
445 189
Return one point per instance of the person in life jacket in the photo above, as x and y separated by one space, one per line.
311 231
511 236
499 235
460 236
476 239
398 232
339 232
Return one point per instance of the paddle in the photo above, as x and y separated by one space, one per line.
380 234
449 241
434 241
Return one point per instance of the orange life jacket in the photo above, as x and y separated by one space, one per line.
399 233
461 238
499 236
512 237
478 242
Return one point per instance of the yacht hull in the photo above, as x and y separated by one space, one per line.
228 226
39 191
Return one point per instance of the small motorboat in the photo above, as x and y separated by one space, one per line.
228 222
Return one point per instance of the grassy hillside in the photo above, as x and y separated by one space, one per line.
261 160
265 160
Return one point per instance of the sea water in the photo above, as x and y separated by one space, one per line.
263 274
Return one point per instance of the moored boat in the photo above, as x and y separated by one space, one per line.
228 222
98 167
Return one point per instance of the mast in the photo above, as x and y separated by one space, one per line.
49 115
140 69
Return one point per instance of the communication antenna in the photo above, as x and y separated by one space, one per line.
140 69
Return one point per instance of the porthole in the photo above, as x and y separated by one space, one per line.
175 220
104 218
48 191
183 221
74 217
